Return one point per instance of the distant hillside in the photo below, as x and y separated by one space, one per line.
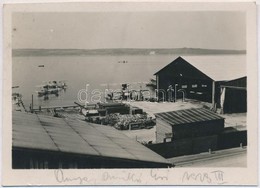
123 51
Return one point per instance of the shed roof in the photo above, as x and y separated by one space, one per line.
187 116
218 69
240 82
39 132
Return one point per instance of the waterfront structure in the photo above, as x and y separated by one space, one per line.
40 142
198 80
188 123
194 131
233 97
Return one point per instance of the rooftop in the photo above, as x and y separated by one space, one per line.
218 69
188 116
39 132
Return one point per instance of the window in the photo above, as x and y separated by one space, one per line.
184 86
194 85
167 139
204 85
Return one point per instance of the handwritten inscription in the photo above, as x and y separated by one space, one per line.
159 175
124 176
61 178
214 177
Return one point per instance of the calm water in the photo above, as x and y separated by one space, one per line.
100 72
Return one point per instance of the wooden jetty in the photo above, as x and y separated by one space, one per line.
54 107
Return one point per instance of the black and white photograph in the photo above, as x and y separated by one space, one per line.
158 90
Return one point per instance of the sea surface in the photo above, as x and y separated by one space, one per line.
100 72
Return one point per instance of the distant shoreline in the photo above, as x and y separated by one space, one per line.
123 51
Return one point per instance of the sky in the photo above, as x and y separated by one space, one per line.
101 30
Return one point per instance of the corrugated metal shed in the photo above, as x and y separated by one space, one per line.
191 123
217 69
31 131
188 116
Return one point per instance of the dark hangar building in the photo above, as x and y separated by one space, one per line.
200 80
233 97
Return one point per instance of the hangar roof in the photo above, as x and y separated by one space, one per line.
218 69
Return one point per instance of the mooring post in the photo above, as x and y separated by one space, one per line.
32 104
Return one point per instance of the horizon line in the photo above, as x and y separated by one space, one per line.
126 48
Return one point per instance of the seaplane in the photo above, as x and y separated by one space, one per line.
51 87
47 89
60 84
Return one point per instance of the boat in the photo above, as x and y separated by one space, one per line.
123 61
